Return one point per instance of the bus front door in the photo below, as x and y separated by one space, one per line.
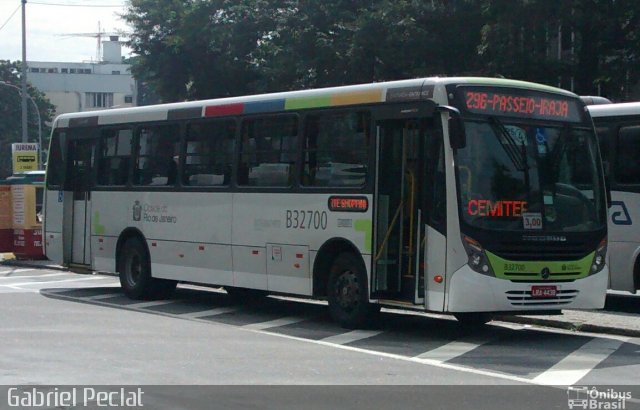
407 207
79 181
398 258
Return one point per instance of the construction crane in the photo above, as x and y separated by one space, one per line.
99 35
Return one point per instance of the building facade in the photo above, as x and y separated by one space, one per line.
86 86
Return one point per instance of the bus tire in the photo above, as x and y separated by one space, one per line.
473 320
135 273
347 292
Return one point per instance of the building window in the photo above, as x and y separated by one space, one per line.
72 70
52 70
115 72
85 71
128 99
99 100
65 70
35 70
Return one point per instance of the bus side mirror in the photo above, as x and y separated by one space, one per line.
457 137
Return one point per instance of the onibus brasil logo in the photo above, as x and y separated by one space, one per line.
583 397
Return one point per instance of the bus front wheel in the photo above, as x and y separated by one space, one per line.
135 273
348 292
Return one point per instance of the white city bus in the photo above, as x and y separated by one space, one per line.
618 128
463 195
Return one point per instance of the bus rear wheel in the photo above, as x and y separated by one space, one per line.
135 274
347 292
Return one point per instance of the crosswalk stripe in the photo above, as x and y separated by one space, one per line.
100 297
210 312
143 305
274 323
450 350
34 276
12 271
579 363
52 282
351 336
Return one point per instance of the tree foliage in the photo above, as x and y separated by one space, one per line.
192 49
11 114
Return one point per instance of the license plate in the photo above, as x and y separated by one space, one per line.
543 292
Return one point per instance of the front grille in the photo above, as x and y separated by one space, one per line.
534 275
524 298
533 253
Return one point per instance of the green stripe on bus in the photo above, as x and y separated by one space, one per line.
308 102
364 225
531 270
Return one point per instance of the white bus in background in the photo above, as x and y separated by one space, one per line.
618 128
472 196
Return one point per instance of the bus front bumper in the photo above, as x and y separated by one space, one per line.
470 291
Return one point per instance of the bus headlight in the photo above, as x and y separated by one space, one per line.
478 260
599 258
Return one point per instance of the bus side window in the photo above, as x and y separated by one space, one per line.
209 153
335 150
158 152
268 151
627 163
115 157
57 160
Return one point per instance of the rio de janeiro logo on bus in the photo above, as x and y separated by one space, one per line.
137 211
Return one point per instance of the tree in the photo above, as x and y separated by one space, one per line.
11 114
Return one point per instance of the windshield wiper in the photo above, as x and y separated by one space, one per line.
518 158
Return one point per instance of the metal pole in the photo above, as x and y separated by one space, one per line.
24 73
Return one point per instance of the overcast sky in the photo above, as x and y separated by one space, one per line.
48 22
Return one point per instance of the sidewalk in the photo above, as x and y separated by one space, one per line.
594 321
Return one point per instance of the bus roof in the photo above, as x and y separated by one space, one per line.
403 90
614 110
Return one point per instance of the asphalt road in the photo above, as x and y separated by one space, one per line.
59 328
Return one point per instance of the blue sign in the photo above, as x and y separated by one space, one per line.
620 214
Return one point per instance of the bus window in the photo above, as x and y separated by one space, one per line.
113 168
268 151
209 154
627 165
157 155
336 149
56 162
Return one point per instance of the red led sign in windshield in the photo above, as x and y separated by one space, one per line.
519 103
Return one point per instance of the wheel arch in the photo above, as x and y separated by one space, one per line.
122 239
325 257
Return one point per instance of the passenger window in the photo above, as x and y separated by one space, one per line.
268 151
158 152
336 149
627 163
57 160
113 166
209 155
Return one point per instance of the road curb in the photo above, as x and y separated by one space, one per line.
573 326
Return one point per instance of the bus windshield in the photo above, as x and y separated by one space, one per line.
530 178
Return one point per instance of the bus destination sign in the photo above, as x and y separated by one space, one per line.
519 103
348 204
